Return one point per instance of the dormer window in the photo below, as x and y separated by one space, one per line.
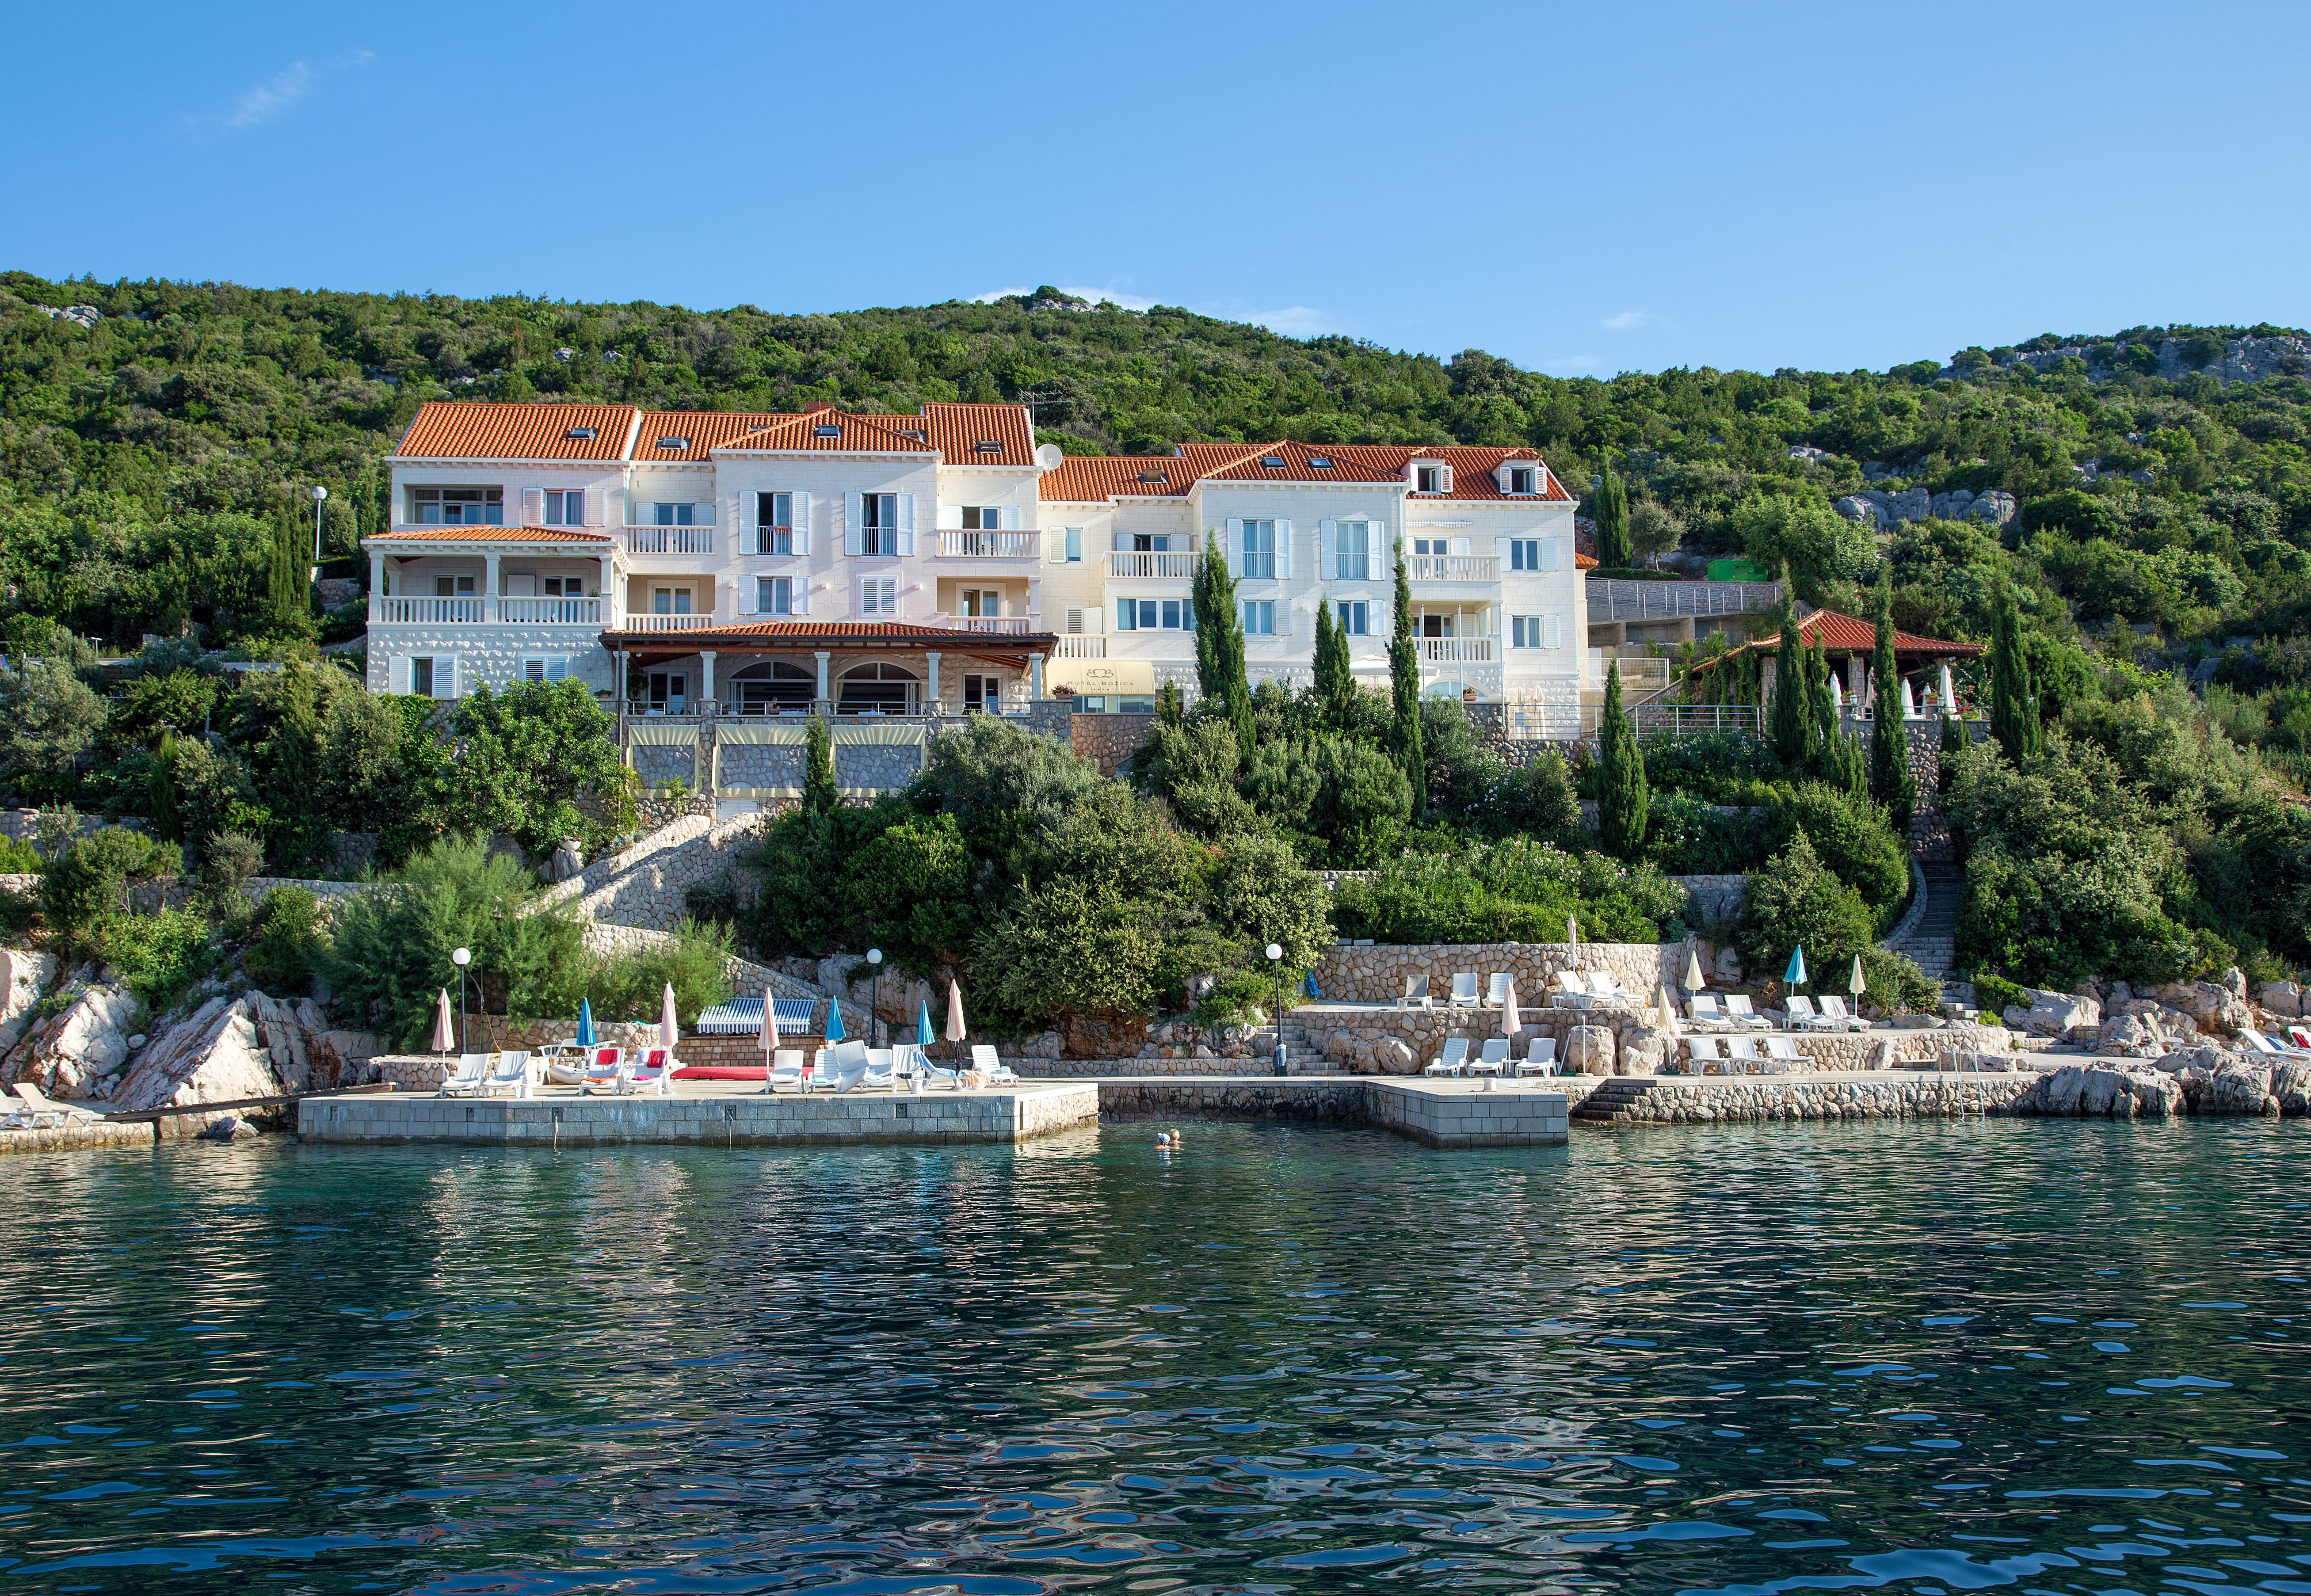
919 435
579 434
1432 479
1319 463
1519 479
826 429
674 445
1273 462
1154 478
988 446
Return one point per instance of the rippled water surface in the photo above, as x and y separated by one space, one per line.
2063 1358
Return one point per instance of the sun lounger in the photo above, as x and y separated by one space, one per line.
983 1060
1738 1012
2257 1041
1743 1051
1416 992
785 1070
508 1074
1707 1051
1489 1058
656 1072
882 1070
1801 1014
1496 989
1569 993
39 1106
1783 1050
1703 1007
1464 990
2301 1035
844 1065
1540 1057
466 1076
1832 1013
1605 989
1452 1060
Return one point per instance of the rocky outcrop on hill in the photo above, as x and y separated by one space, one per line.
1996 506
2101 1091
231 1049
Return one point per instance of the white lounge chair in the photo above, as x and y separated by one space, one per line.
655 1074
1540 1057
1743 1051
2258 1042
510 1075
1783 1050
1415 993
882 1070
1491 1057
466 1076
1703 1007
1802 1016
1452 1060
1464 990
983 1060
1705 1052
40 1106
605 1068
786 1070
1833 1012
1605 989
1496 989
1570 992
2301 1035
1738 1012
842 1066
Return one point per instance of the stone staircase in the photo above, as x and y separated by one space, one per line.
1932 942
1609 1101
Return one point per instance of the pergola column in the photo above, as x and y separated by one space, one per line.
823 655
706 678
490 584
931 663
1035 677
376 573
612 608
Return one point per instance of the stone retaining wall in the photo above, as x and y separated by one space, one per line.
1109 740
1358 973
1765 1100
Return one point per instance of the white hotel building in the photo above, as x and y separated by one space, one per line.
698 563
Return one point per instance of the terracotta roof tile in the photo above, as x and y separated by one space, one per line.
1090 479
958 429
1296 463
867 434
701 431
1844 635
492 534
462 429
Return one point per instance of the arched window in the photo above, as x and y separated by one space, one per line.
879 689
774 687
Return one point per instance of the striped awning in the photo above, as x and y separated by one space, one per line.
743 1016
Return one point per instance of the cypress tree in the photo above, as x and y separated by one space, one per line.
285 581
1219 642
1336 684
1169 705
1621 795
2013 711
1613 548
820 795
1792 715
1890 782
161 791
1404 689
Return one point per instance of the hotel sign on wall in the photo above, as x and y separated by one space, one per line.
1132 676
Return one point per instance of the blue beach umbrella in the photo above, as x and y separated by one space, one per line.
923 1037
585 1021
1795 975
833 1020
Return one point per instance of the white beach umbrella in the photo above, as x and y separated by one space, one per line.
1512 1022
670 1030
1855 983
1573 941
1909 704
445 1038
1949 691
1664 1011
1836 693
1693 981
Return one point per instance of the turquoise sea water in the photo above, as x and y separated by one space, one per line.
2044 1357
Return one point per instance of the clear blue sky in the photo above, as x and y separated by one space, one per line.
1586 188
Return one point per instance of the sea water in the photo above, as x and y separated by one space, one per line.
2054 1358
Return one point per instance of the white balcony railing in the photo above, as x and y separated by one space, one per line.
550 612
989 546
394 610
1164 567
1001 624
1453 568
1080 647
651 623
1455 651
670 540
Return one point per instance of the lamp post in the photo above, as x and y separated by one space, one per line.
1276 963
875 992
320 493
461 958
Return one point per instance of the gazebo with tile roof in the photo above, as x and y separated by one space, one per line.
1842 637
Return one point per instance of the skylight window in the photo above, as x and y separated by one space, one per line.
579 434
1273 462
676 444
988 446
827 430
1319 462
1154 476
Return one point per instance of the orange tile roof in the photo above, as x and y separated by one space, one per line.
1844 635
491 534
1089 479
465 430
704 429
1092 479
858 433
958 429
1346 465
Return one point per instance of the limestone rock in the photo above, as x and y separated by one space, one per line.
2129 1036
1589 1051
2054 1014
25 975
1854 507
213 1055
2239 1084
2122 1092
568 861
68 1055
228 1128
2281 998
1642 1050
1394 1058
2291 1084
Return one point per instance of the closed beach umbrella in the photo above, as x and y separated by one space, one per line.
1795 975
1949 692
833 1020
1573 940
669 1031
954 1027
1512 1022
1664 1011
769 1039
585 1021
1909 704
1836 693
1693 982
1855 984
444 1038
923 1037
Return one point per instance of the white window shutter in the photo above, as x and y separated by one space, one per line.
398 674
1458 545
1548 553
1443 479
906 523
1010 518
799 597
950 516
1501 553
1501 477
532 507
446 670
748 587
1552 631
1121 541
854 513
1282 550
593 507
798 507
1328 548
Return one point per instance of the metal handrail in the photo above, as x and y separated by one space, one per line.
1625 600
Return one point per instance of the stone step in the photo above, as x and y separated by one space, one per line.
1609 1101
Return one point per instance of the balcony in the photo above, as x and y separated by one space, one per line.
1670 601
989 546
394 610
653 623
1456 650
1080 647
1016 624
670 540
475 609
1158 567
550 612
1453 568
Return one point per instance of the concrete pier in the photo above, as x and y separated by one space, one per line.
1436 1111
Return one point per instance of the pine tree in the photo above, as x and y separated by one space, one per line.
820 795
161 791
1336 682
1621 795
1171 707
1613 550
1404 690
1890 782
1792 715
2013 711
